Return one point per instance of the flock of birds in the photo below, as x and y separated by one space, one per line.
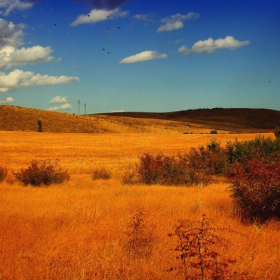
108 29
56 24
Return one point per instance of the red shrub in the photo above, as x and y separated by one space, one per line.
199 248
256 188
165 170
44 172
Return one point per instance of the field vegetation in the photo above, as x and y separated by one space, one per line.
93 226
139 195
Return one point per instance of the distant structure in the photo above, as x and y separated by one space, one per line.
78 106
85 108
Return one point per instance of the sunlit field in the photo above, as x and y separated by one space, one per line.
80 229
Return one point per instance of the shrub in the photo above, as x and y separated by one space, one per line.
161 169
166 170
199 251
242 151
139 237
255 189
44 172
131 175
101 173
213 132
39 122
277 132
211 160
3 173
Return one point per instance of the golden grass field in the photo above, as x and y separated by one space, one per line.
77 230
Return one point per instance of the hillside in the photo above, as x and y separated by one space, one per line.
14 118
229 119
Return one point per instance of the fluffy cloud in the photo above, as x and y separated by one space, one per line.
65 106
210 45
18 78
7 6
11 34
175 22
98 15
143 56
59 99
7 100
9 56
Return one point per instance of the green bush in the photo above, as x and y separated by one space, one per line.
3 173
44 172
40 129
243 151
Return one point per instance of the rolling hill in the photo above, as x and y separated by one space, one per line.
232 120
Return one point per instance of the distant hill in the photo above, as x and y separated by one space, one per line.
231 119
234 120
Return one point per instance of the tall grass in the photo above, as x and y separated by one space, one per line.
76 230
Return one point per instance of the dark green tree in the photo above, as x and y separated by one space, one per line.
40 129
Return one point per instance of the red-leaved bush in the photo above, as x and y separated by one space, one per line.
44 172
200 252
255 188
167 170
193 168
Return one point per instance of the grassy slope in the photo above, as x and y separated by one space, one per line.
13 118
232 119
78 230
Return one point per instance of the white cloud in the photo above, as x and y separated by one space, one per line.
9 56
11 34
7 100
144 17
143 56
210 45
59 99
65 106
11 37
175 22
10 5
18 78
98 15
117 111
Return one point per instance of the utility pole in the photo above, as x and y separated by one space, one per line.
85 108
78 106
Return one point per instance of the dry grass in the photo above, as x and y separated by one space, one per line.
15 118
77 230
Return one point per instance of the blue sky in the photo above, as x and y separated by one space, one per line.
139 55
